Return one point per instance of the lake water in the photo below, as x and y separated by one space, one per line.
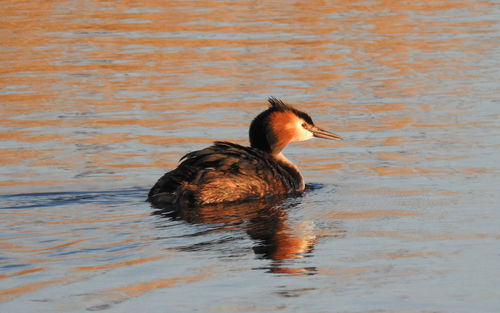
99 98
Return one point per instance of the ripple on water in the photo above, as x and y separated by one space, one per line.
400 216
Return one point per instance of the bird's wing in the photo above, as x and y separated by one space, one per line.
224 171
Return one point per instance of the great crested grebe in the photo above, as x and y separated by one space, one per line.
228 172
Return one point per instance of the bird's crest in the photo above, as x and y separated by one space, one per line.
276 104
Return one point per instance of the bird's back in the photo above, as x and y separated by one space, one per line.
224 172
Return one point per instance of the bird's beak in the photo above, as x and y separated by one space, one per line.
321 133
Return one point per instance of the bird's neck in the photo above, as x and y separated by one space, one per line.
291 168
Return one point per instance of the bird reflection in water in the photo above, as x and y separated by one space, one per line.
276 237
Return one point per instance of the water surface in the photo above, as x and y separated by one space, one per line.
99 99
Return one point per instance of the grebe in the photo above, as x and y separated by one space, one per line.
228 172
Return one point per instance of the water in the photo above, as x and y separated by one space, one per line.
99 99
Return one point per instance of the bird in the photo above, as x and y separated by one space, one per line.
226 172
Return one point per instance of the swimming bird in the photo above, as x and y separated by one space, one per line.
228 172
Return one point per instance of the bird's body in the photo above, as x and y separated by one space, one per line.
228 172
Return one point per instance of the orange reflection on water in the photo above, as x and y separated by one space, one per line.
390 234
23 272
137 290
413 236
292 242
16 156
395 156
93 219
117 264
265 221
406 255
27 136
8 294
117 61
19 248
348 271
40 182
391 191
404 171
367 214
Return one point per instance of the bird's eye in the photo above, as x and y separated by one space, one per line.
304 125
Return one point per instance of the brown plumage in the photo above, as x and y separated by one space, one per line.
228 172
